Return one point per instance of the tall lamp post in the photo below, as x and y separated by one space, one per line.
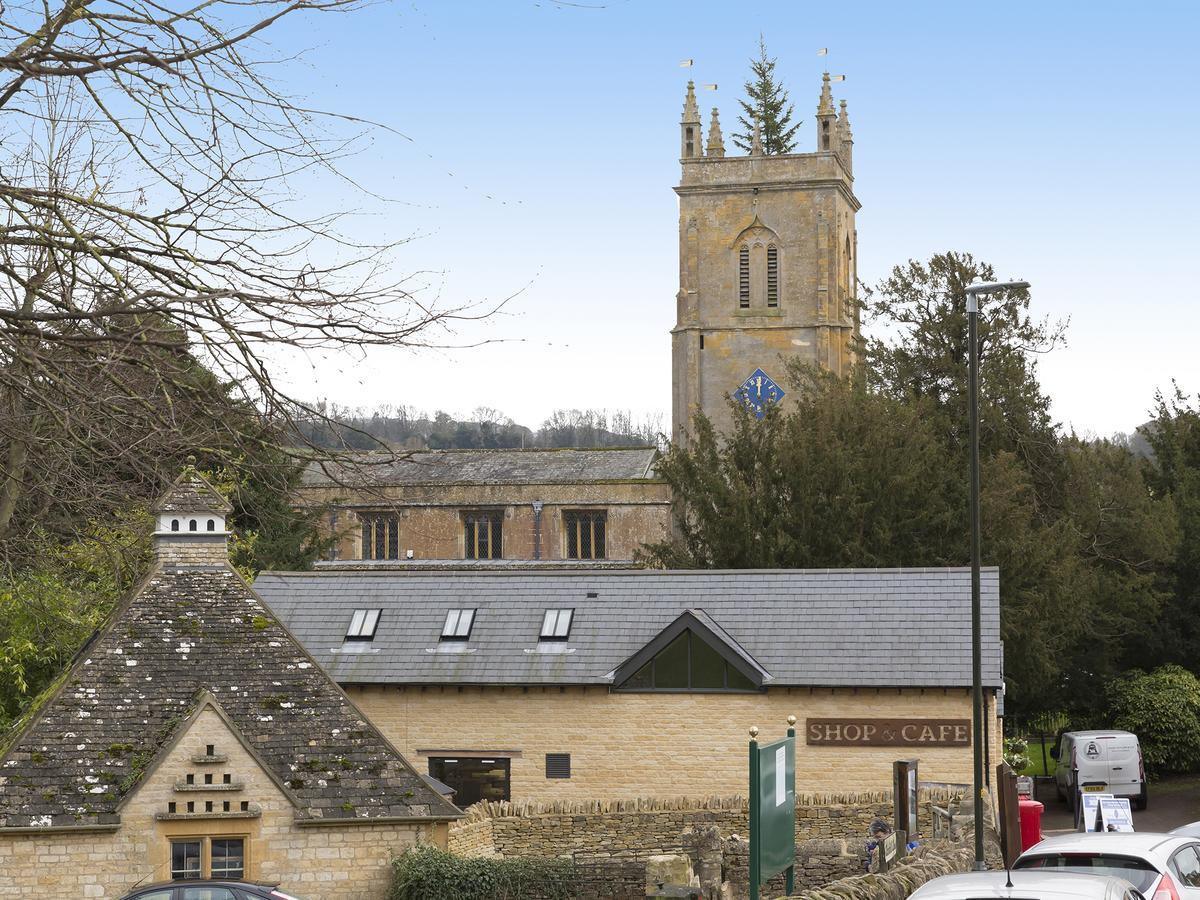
974 292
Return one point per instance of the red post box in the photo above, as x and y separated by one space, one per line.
1031 822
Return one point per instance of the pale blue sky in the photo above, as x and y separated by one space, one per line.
1058 141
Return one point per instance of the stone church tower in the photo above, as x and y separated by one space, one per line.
767 258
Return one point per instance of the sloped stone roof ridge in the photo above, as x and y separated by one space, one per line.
814 627
557 466
191 492
188 631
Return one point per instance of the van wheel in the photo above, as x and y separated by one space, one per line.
1142 799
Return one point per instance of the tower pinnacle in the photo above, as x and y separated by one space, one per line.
756 147
716 143
690 125
826 117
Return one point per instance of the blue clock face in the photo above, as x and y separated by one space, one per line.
757 392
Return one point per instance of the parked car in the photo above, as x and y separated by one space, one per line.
209 890
1102 761
1192 829
1030 885
1160 866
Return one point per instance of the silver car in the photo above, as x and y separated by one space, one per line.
1161 866
1029 885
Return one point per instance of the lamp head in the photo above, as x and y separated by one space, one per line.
990 287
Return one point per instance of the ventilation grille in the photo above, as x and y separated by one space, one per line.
558 765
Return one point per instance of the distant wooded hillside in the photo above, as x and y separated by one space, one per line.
402 427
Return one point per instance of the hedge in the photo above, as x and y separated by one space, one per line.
427 873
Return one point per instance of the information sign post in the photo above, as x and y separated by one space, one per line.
772 809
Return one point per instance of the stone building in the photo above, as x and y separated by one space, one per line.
194 736
767 257
576 506
548 685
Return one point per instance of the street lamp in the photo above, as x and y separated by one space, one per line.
973 292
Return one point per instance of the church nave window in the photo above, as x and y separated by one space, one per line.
482 534
585 533
380 537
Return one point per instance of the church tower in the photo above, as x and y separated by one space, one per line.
767 259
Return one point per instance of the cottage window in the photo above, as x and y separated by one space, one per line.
556 624
380 537
228 858
585 536
688 663
482 534
457 626
185 859
208 857
363 624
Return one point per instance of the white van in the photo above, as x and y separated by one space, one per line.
1107 762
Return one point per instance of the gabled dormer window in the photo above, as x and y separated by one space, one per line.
457 626
688 663
556 624
363 624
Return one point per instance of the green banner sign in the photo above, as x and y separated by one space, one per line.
772 811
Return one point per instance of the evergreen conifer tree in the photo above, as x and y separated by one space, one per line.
768 104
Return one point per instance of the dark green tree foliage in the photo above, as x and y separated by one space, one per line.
767 103
875 474
1173 472
1163 709
844 478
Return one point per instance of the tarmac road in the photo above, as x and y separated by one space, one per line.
1173 802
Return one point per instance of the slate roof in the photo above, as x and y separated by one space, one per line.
559 466
849 627
187 631
191 492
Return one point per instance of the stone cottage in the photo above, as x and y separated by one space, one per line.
193 736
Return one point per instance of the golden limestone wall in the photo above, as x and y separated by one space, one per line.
658 745
431 521
333 863
803 206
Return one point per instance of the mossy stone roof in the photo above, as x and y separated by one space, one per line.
184 633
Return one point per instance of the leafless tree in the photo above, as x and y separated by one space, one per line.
155 257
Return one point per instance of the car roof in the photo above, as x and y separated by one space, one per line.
1108 732
1116 842
201 882
1024 881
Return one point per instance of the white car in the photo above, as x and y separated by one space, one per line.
1108 762
1192 829
1160 866
1030 885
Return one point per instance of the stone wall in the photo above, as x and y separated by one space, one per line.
827 825
928 862
656 744
431 524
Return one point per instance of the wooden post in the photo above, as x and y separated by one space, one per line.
1010 813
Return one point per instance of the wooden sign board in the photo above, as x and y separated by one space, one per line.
888 732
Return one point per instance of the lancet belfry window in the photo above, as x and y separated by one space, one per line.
758 275
744 277
772 276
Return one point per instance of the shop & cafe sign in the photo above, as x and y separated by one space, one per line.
888 732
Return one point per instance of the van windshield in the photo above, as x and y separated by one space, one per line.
1136 871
